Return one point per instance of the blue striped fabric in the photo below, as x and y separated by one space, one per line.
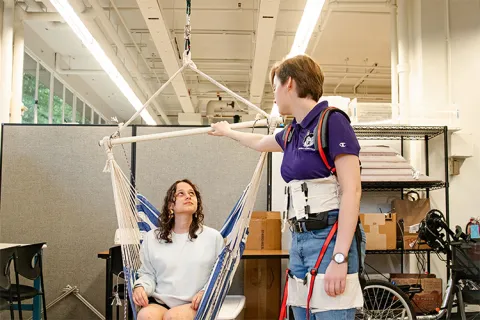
147 214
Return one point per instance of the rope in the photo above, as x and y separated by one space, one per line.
233 94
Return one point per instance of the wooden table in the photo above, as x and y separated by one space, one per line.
247 254
265 254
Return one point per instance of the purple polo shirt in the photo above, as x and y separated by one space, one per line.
300 159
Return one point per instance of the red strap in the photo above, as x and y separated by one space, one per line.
285 139
283 310
314 271
319 142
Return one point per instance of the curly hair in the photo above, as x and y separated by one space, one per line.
166 222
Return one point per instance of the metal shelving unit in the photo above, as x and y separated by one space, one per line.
394 132
402 133
401 185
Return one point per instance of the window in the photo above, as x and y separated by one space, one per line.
48 100
79 111
68 106
57 102
29 83
88 114
43 95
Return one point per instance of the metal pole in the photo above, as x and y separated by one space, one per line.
394 59
63 105
447 200
181 133
403 66
50 98
427 163
37 83
74 108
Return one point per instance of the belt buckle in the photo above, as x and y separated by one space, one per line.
297 227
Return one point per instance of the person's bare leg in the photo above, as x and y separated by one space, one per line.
183 312
152 312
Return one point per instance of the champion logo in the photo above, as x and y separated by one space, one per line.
342 144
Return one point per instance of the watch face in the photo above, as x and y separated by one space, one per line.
339 258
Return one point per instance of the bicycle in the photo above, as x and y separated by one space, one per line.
464 254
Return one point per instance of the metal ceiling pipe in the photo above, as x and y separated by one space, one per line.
99 36
321 27
359 4
139 51
112 33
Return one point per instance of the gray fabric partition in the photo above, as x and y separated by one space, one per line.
53 190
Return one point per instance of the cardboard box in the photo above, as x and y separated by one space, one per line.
430 298
380 230
262 284
410 211
265 231
411 242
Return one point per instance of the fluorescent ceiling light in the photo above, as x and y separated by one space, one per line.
73 20
309 19
312 11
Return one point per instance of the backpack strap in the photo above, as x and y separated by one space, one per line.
320 135
287 135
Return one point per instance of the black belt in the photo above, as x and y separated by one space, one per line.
314 222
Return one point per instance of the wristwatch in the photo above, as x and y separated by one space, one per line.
339 258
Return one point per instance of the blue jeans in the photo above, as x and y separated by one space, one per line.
303 256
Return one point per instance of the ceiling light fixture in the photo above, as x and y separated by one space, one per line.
79 28
309 19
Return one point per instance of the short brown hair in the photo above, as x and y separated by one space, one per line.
305 71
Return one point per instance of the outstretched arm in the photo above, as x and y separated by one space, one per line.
255 141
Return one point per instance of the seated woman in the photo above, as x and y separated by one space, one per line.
177 258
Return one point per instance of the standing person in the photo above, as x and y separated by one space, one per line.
322 193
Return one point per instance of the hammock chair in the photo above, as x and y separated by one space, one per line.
136 215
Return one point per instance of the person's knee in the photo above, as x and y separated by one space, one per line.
171 315
177 314
147 313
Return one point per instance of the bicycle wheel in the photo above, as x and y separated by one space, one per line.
383 300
